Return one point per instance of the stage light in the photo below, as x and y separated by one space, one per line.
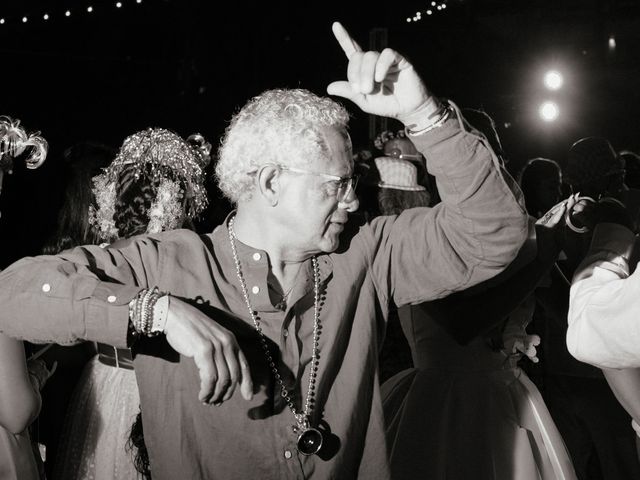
24 19
429 12
67 13
1 21
89 9
553 80
612 42
118 4
46 16
549 111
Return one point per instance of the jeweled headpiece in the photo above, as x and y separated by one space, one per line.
14 141
163 158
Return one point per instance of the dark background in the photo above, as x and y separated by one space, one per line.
188 65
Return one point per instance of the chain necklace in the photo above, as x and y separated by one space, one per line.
309 438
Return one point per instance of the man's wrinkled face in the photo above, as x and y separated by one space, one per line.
316 210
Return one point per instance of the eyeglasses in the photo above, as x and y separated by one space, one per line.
345 185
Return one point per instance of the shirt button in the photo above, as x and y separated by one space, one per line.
287 454
257 257
111 298
285 333
46 288
255 289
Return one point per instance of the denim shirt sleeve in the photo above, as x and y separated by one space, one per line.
81 294
473 234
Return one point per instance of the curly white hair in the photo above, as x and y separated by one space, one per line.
280 126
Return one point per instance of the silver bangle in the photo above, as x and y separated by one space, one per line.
443 116
567 217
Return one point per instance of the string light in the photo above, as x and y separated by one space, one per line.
46 16
438 5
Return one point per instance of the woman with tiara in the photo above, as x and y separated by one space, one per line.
155 183
20 380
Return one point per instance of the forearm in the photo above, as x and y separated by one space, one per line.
47 300
625 384
481 215
19 401
82 294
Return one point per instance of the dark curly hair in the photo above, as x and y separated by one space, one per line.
392 201
134 196
81 162
138 448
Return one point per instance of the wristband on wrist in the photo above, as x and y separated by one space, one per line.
160 314
441 116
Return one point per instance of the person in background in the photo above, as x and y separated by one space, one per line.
595 170
631 168
397 187
595 427
20 380
277 306
80 163
154 184
466 348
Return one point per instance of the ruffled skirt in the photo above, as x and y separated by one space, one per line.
448 424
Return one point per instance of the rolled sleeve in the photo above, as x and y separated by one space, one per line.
472 235
81 294
604 308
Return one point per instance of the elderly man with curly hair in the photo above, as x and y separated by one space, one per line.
286 301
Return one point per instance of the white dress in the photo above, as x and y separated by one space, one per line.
104 407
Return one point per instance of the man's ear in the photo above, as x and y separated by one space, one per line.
268 179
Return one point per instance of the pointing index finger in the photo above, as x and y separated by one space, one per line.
348 44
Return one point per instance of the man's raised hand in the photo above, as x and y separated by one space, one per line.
383 83
221 364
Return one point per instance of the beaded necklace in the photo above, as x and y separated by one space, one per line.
309 438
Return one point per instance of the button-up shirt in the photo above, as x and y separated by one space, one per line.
419 255
604 306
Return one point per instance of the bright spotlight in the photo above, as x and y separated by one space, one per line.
612 42
553 80
549 111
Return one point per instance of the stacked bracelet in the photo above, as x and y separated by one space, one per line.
142 312
441 116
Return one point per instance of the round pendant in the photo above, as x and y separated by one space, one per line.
310 441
